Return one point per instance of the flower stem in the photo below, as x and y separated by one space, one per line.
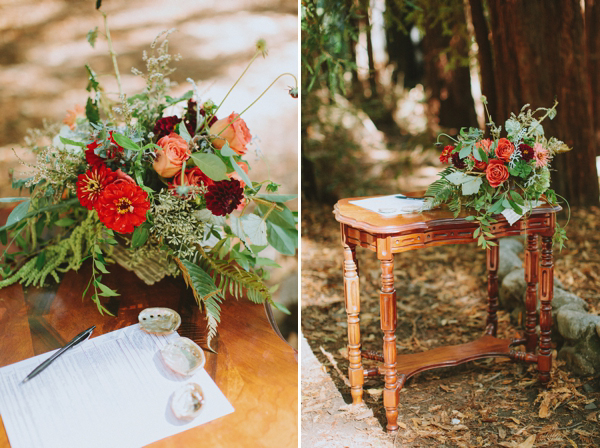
235 83
112 53
259 97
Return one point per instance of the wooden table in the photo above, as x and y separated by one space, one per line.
388 236
255 368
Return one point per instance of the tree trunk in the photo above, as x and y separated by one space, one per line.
592 31
484 55
372 71
448 90
401 50
539 54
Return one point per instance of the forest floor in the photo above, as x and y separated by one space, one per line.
441 300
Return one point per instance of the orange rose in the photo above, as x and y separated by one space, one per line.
504 149
496 172
232 130
170 158
480 165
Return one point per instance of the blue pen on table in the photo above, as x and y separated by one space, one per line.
76 340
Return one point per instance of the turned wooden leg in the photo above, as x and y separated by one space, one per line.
491 324
531 277
351 295
546 291
387 303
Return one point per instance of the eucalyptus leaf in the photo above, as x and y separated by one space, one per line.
125 142
205 215
227 151
183 132
18 213
211 165
465 151
13 199
256 228
458 178
68 141
284 240
471 186
238 169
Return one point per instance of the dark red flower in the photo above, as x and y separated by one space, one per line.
526 152
91 157
165 126
224 196
91 185
458 162
123 206
190 117
446 153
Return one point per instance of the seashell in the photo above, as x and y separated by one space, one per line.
187 401
159 321
182 355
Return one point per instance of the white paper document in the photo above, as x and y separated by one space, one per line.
110 391
392 205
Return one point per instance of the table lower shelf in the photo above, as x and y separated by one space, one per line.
485 347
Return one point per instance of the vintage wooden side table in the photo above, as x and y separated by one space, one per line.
388 236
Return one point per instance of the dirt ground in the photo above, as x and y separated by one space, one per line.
441 301
43 50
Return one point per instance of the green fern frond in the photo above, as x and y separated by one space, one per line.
213 317
234 279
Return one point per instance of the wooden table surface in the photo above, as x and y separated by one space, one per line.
256 370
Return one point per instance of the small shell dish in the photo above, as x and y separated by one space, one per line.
187 401
182 355
159 321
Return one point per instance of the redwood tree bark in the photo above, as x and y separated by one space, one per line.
539 53
592 31
448 89
484 54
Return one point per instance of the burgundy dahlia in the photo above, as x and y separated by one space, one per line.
165 126
526 152
458 162
224 196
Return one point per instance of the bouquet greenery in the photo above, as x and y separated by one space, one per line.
499 175
163 177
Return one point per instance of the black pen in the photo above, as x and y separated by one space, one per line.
401 196
76 340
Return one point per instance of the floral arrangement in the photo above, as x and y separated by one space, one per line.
499 175
164 177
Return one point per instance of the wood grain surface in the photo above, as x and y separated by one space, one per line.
256 370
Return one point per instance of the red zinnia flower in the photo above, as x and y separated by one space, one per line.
91 185
91 157
445 157
123 206
224 196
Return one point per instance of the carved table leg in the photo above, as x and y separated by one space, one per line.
351 295
531 277
387 303
491 324
546 291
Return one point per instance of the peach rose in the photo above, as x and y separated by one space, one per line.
232 130
170 158
72 116
235 175
485 144
504 149
496 173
